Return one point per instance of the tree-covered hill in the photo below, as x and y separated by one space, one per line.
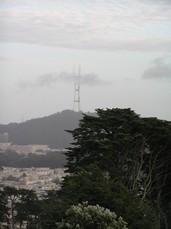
48 130
50 159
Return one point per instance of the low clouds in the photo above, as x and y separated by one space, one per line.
92 79
50 79
111 25
159 68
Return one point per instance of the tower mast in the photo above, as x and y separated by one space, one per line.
77 79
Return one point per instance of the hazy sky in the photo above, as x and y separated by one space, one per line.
123 46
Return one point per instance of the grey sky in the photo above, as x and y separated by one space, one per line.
124 48
49 79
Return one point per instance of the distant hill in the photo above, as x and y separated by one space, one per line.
48 130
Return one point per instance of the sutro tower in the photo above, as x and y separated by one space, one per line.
77 80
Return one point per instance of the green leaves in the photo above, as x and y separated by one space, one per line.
132 150
84 216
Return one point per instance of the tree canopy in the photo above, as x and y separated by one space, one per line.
130 149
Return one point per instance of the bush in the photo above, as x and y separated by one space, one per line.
84 216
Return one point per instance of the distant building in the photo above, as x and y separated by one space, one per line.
37 149
4 146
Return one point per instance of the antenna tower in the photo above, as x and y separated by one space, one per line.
77 79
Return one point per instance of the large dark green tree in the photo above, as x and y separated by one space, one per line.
12 196
95 186
52 210
3 208
23 206
133 150
27 208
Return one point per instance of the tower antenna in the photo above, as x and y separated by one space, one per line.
77 80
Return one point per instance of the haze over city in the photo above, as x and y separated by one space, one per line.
123 47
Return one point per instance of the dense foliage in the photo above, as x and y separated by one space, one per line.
118 161
84 216
22 208
92 185
131 150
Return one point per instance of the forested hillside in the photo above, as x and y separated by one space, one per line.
48 130
50 159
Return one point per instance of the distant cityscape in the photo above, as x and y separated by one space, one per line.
38 179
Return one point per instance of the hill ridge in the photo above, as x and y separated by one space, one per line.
48 130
